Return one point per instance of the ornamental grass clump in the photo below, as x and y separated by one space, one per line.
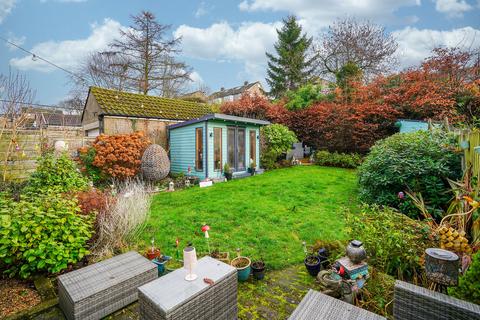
123 220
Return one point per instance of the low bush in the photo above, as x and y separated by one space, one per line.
469 284
57 173
116 156
86 157
93 201
42 233
123 220
335 159
277 139
419 162
394 242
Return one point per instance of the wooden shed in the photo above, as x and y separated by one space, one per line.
117 112
202 146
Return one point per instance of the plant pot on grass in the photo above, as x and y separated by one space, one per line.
312 263
222 256
227 172
243 267
258 270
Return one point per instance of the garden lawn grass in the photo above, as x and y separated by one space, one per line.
266 216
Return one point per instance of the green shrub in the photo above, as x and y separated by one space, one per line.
57 173
86 156
276 140
394 242
341 160
416 162
469 284
43 233
305 96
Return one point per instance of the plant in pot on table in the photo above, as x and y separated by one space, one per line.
312 262
227 171
243 265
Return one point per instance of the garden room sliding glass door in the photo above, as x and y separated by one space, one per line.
236 148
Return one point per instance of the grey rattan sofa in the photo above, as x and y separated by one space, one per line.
105 287
410 303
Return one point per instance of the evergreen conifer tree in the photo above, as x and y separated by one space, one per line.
291 67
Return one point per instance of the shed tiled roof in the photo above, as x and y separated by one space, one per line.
119 103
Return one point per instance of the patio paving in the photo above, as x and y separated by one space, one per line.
275 297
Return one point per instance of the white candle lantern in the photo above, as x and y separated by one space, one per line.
190 262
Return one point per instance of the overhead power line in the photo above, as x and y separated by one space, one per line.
36 104
35 56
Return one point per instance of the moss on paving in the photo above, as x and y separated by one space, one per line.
267 216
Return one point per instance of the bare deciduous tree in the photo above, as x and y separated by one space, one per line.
151 57
102 69
16 98
363 43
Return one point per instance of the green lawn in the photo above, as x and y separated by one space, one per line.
266 216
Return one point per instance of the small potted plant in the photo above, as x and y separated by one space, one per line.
152 252
227 171
222 256
312 262
252 167
258 269
160 262
243 266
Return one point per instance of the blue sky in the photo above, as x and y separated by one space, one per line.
224 41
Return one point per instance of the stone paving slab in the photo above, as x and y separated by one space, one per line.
274 297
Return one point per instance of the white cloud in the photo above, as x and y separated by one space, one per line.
196 78
19 41
219 42
69 53
317 14
452 8
201 10
415 44
6 7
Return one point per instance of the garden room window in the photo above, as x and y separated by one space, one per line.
217 149
199 149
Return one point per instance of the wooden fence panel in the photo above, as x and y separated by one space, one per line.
18 156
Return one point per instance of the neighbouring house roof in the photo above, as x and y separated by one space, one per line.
58 119
220 116
119 103
232 91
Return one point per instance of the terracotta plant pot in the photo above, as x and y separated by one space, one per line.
152 254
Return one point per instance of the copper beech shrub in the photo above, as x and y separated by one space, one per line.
118 156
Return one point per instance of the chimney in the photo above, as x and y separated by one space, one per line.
222 89
245 83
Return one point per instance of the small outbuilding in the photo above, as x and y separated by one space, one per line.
201 147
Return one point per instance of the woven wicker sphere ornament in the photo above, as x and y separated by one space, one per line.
155 163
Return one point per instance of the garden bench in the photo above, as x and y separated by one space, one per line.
410 302
104 287
172 297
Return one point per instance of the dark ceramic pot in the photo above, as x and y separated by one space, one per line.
228 175
312 263
323 256
356 252
258 270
